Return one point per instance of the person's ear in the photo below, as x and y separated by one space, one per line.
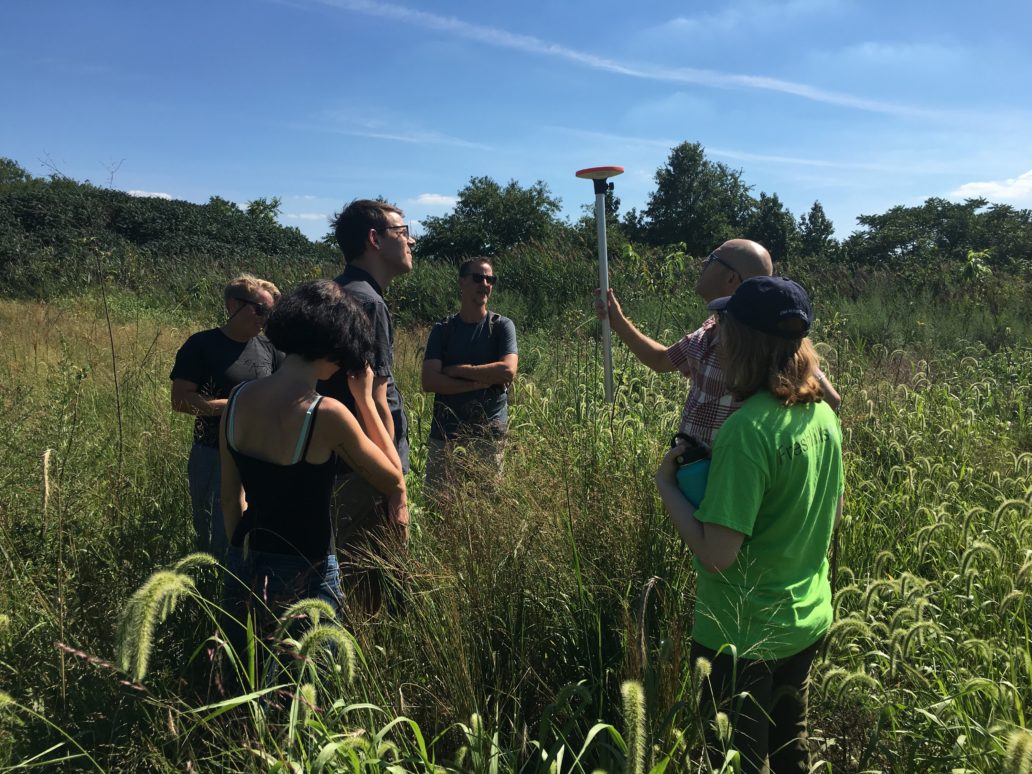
373 238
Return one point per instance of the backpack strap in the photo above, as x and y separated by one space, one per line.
492 318
447 325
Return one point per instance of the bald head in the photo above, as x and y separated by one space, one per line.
748 258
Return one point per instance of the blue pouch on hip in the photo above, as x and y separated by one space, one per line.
692 468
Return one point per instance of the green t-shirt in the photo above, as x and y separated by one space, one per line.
776 477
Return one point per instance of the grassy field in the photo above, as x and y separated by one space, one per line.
547 619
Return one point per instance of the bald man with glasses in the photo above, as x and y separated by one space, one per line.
695 355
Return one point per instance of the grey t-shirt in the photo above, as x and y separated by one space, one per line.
455 342
217 364
361 286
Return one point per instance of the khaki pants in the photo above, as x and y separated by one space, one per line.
448 462
369 551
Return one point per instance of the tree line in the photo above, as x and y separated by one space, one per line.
698 203
61 235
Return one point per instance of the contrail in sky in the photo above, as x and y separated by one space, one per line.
531 45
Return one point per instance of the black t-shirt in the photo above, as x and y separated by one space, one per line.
455 342
365 290
217 364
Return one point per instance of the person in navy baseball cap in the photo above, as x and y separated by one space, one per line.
776 306
762 530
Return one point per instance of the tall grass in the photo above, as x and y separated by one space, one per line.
547 617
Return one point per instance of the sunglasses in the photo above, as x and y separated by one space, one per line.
477 277
714 258
260 309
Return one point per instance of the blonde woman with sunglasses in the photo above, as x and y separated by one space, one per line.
207 368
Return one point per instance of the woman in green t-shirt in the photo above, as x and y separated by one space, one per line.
760 536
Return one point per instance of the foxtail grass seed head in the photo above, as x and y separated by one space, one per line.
46 482
148 607
1018 757
703 669
307 697
722 724
195 561
332 642
633 696
313 609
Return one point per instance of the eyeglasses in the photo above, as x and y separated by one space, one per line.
403 229
477 277
260 309
714 258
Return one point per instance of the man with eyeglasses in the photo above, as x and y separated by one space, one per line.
695 355
377 248
207 368
470 360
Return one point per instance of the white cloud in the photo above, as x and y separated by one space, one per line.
435 200
383 128
737 155
150 194
1015 190
531 45
732 17
417 138
306 216
895 57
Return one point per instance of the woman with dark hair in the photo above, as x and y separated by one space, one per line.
761 533
280 441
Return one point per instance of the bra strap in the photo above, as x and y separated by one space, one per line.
231 415
305 437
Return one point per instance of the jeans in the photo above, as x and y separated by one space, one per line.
771 720
203 471
263 584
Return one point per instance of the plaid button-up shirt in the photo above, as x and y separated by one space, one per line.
709 403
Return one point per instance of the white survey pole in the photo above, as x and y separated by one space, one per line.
600 177
603 283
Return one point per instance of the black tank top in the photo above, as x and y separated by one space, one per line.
288 506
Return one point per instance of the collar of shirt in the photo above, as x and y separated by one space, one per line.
354 273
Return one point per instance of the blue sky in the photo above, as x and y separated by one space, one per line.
860 104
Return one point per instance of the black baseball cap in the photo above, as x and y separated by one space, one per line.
774 305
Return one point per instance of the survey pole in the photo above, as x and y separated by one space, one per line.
599 176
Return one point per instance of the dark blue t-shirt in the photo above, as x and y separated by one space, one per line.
455 342
361 286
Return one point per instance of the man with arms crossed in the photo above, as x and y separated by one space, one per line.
377 248
469 362
695 356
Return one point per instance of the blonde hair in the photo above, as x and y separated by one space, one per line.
249 285
754 361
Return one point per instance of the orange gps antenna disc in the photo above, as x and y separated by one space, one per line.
599 173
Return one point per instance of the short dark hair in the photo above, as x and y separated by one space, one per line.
320 320
351 225
469 264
